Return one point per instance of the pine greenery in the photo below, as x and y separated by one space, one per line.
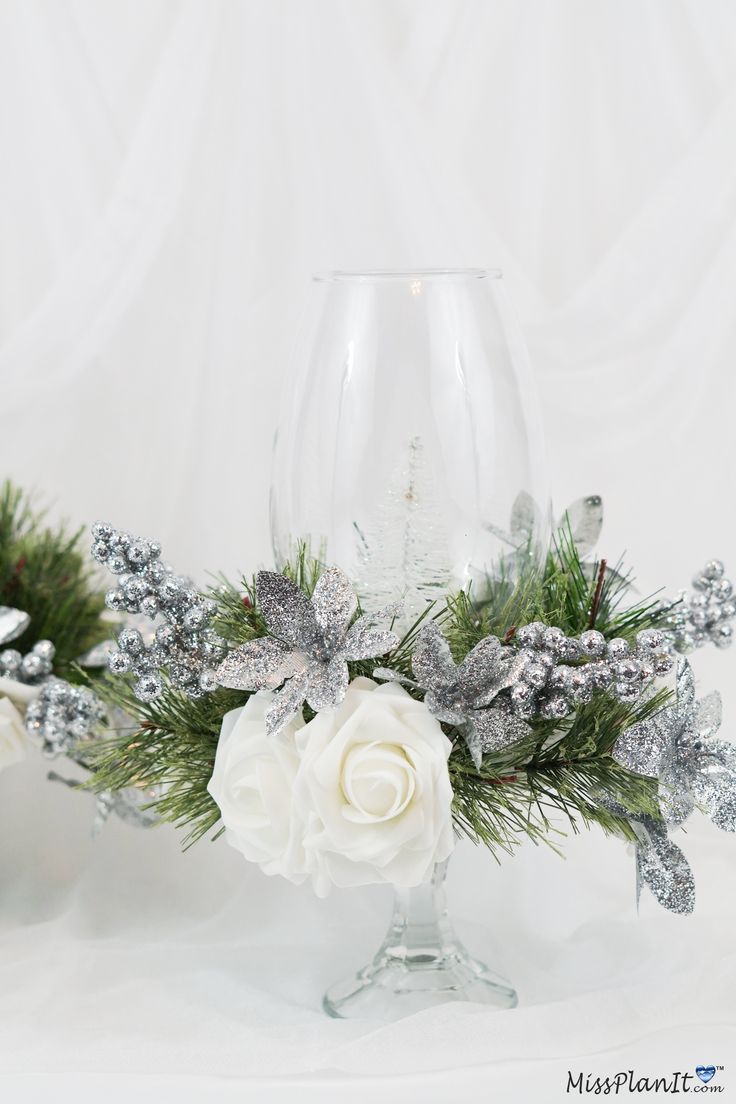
45 573
556 776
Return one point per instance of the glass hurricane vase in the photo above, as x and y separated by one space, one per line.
409 449
409 453
421 963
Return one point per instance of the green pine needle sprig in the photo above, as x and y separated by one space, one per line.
45 572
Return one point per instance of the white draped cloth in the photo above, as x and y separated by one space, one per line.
172 172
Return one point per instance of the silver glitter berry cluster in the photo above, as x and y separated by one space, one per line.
31 668
62 715
705 615
559 672
184 643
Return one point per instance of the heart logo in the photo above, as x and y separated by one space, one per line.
705 1073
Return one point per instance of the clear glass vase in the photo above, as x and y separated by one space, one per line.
409 452
409 449
421 963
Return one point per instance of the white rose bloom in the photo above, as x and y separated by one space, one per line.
13 737
253 784
18 692
374 790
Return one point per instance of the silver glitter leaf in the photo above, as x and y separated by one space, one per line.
365 642
685 687
708 715
585 519
261 664
334 604
644 747
663 868
441 706
479 671
13 623
432 661
286 609
286 703
525 518
328 683
676 803
714 785
493 730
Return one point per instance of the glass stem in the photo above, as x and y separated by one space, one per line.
420 929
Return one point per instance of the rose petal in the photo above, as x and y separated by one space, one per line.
286 609
258 665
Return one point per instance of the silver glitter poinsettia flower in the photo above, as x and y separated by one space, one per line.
678 746
311 643
462 694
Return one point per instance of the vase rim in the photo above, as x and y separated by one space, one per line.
387 274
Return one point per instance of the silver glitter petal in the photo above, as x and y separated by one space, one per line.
645 747
685 687
509 671
676 803
663 868
385 674
286 609
328 683
130 805
286 703
334 604
493 730
261 664
366 642
480 669
441 706
432 661
585 520
13 623
525 519
714 783
708 715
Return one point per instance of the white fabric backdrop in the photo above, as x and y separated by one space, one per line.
172 172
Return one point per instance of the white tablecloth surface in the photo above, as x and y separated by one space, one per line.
130 969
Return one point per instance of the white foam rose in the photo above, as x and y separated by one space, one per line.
373 790
252 783
13 739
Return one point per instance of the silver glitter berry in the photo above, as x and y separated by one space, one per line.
185 644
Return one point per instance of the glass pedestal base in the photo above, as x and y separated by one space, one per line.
421 964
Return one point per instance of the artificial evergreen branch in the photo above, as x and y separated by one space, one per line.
561 769
44 572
